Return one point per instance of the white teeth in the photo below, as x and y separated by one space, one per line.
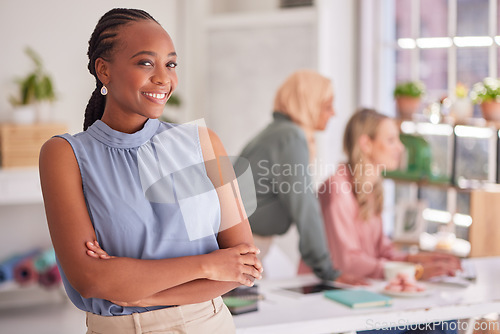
156 96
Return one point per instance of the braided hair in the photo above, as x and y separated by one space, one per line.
101 45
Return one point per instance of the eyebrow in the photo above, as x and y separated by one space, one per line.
151 53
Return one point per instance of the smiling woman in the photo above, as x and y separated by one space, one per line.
140 70
139 244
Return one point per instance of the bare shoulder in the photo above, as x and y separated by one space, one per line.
56 147
55 144
211 144
56 156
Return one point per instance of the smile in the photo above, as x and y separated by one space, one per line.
159 96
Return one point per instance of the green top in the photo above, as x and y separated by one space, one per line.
279 158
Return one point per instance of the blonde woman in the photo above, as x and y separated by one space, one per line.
352 202
279 157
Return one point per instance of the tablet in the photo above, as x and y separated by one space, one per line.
312 288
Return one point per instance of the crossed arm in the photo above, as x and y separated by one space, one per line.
173 281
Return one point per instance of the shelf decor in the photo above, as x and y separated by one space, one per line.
487 94
7 266
409 224
461 108
408 95
20 143
36 92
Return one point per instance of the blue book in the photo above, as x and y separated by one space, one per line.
359 298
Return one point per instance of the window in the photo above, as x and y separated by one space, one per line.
443 42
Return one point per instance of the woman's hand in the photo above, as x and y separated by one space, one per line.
438 268
235 264
94 250
424 258
351 280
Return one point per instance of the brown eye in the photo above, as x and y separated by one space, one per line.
172 65
146 63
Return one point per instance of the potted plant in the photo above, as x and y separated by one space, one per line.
35 93
487 94
407 96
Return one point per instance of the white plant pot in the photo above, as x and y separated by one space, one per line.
44 111
461 110
25 114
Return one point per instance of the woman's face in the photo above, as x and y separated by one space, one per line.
141 75
325 114
386 147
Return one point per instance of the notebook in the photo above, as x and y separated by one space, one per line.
358 298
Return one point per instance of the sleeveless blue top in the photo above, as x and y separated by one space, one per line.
148 197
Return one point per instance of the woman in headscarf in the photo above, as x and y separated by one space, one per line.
280 156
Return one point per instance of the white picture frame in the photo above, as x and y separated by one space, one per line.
409 222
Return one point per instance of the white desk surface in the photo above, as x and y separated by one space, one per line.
287 312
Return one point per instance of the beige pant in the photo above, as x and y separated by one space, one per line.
207 317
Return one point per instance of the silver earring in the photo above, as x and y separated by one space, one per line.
104 90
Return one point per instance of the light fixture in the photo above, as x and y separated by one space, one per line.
406 43
437 216
434 43
473 41
462 220
473 132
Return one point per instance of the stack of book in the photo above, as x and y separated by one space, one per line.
242 299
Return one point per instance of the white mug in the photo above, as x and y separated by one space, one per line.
393 268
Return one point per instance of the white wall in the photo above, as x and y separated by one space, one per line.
225 6
59 31
249 56
337 40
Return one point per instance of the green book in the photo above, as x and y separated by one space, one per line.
242 299
358 298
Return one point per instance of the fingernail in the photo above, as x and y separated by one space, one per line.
258 251
90 242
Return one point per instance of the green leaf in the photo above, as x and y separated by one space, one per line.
36 86
409 88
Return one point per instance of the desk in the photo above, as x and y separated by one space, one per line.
286 312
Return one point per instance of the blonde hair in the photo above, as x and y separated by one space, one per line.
363 122
301 97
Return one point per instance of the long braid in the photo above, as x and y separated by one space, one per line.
101 45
